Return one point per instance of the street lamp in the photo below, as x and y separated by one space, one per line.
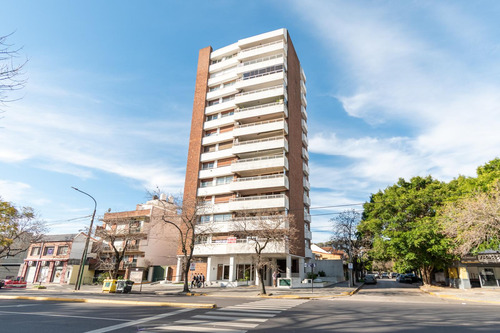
84 254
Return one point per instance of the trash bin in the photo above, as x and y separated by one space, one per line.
124 286
109 286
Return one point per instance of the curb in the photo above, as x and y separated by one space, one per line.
108 301
456 298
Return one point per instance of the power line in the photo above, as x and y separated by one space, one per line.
335 206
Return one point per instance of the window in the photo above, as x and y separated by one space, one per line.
206 183
222 198
216 61
213 102
212 117
262 71
227 98
48 251
202 239
230 83
204 218
211 132
225 145
224 180
227 114
213 88
209 149
62 250
222 217
244 272
226 129
208 165
35 251
224 162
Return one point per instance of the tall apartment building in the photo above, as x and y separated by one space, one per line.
248 152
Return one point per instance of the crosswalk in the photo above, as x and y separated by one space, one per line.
233 319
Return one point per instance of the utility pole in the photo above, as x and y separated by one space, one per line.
85 249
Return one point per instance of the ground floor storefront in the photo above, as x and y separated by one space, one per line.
479 271
53 271
237 270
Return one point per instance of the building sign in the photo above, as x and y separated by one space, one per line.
489 258
192 266
231 240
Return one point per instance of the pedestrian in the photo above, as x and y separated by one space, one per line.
196 280
193 280
275 278
202 280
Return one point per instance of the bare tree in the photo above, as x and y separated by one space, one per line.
345 236
267 232
118 237
18 228
183 216
474 222
11 73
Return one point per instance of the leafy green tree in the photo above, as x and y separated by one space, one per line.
400 223
18 228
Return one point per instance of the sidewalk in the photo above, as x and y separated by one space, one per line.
475 295
163 294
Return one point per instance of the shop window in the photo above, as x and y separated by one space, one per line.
61 250
35 251
48 251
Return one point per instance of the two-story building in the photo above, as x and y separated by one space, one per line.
56 259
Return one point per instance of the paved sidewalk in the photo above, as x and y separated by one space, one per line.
475 295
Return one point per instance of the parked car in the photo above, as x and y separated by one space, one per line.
1 284
403 278
413 277
385 275
376 275
394 275
370 279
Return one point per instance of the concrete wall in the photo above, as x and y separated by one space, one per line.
332 268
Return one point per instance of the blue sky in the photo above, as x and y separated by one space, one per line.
395 89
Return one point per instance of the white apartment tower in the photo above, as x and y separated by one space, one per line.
248 151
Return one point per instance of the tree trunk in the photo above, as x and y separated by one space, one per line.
426 272
262 285
185 272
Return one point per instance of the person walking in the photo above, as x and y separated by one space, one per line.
202 280
275 278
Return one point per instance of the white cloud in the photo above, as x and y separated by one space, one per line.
13 191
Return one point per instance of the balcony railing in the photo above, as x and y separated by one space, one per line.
259 123
260 75
261 46
259 90
258 141
258 197
245 179
258 107
258 159
256 61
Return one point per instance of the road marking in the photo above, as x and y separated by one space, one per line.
48 314
222 323
243 314
237 319
233 309
137 322
17 306
198 329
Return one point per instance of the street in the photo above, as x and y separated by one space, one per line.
385 307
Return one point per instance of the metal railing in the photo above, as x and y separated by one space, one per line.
258 197
258 107
259 140
256 61
259 90
260 177
260 123
261 46
260 75
258 159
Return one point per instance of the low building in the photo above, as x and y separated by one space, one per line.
476 271
56 259
150 244
10 266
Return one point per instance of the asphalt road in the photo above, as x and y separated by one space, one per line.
385 307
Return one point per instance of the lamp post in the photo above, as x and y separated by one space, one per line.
85 249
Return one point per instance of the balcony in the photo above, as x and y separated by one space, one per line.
225 77
223 64
279 201
307 186
215 172
303 112
240 223
210 208
270 110
265 93
308 253
260 127
304 140
213 190
307 200
251 146
216 155
307 217
302 75
303 100
236 246
221 92
303 88
307 233
304 125
221 121
305 154
262 50
261 80
217 137
268 183
305 168
255 64
224 106
276 163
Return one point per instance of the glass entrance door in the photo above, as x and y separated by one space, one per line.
487 276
